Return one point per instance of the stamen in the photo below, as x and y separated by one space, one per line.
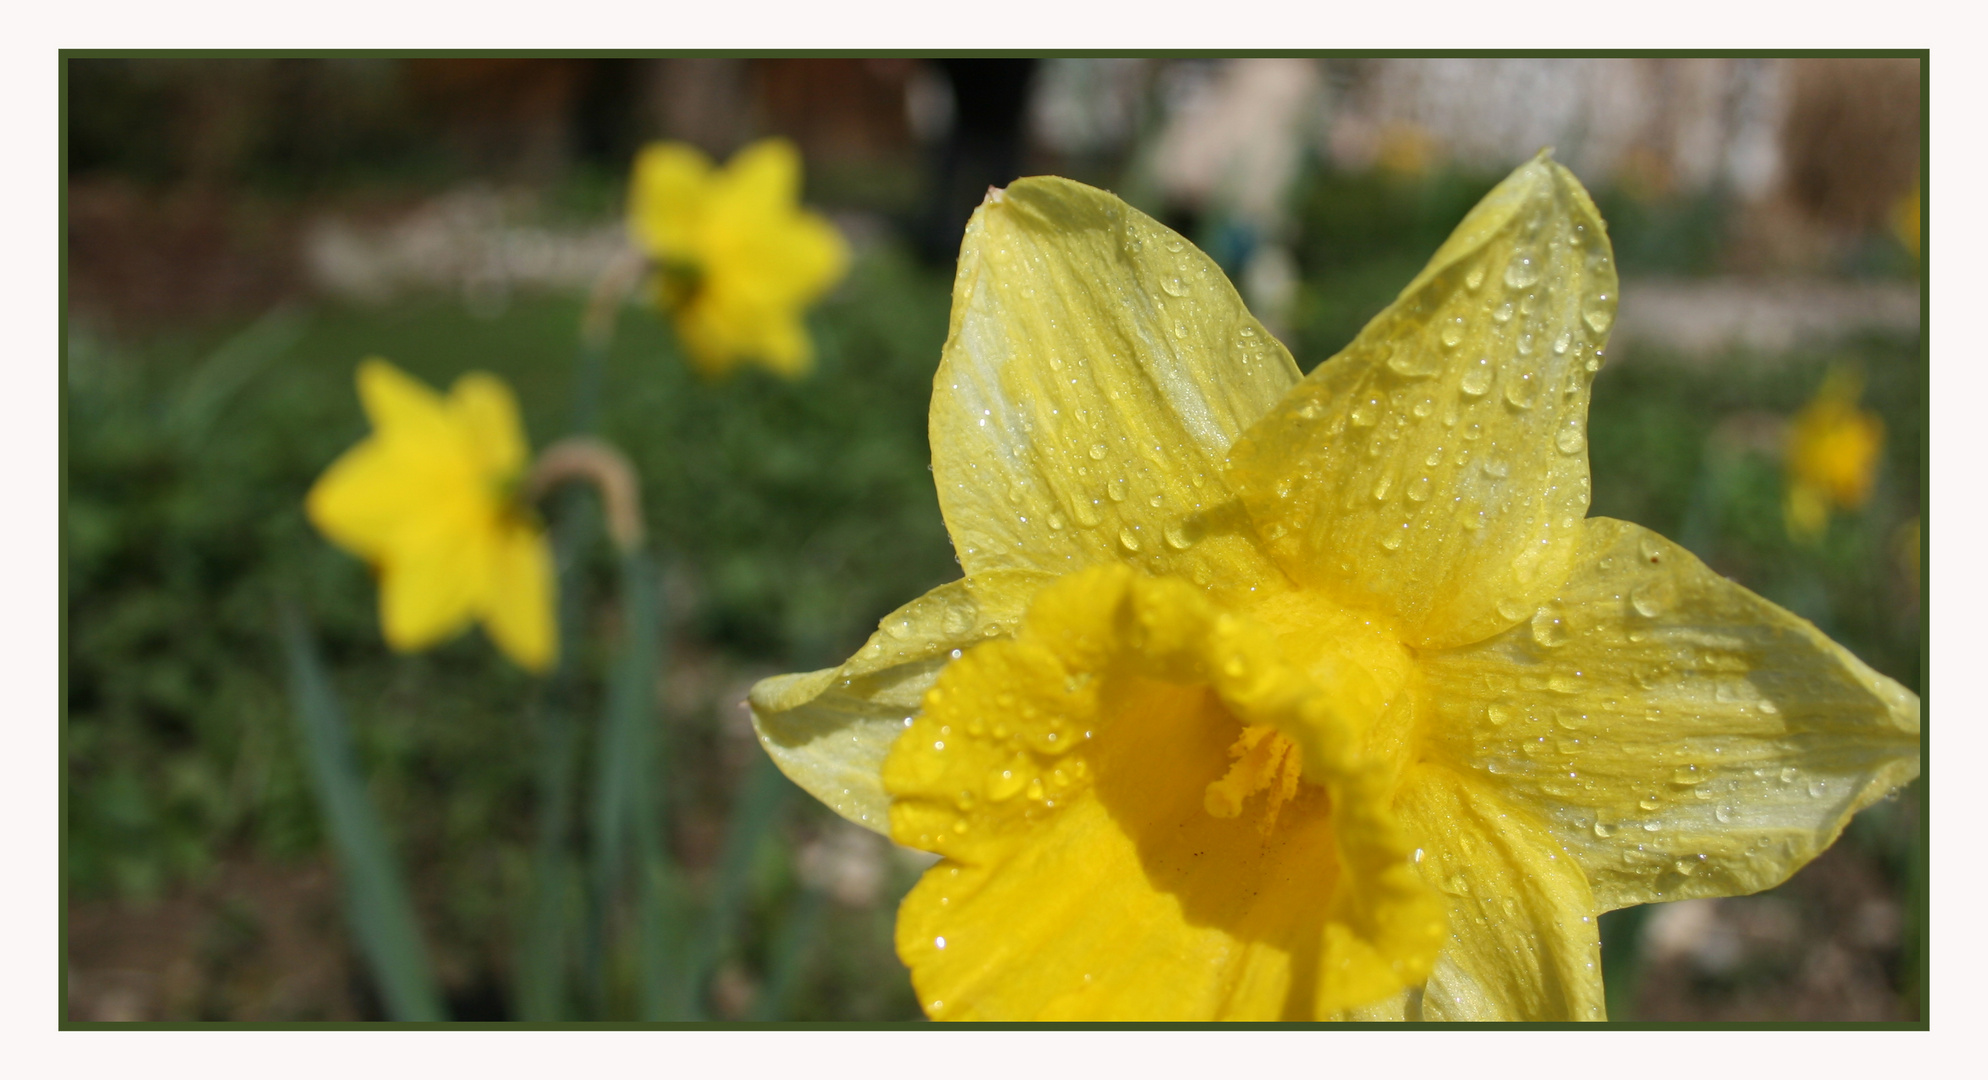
1264 760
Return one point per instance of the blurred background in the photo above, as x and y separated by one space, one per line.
241 232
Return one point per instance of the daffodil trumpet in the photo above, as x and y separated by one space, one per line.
1268 696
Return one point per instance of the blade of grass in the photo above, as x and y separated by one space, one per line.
376 899
764 792
791 952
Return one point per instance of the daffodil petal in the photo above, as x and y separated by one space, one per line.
666 198
433 581
764 174
486 413
365 498
399 404
1436 469
1068 775
518 605
1097 369
829 730
1524 943
1679 735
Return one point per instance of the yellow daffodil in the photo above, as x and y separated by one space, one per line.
1267 697
429 500
737 260
1832 455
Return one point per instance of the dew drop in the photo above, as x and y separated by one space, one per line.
1098 451
1178 537
1648 598
1127 537
1116 489
1521 392
1500 714
1496 468
1453 332
1055 520
1511 608
1179 329
1381 488
1604 831
1599 314
1504 312
1392 541
1549 625
1174 244
1570 440
1173 286
1724 814
1523 270
1366 412
1560 343
1418 491
1476 378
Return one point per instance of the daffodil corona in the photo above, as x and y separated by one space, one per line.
1268 697
736 259
429 499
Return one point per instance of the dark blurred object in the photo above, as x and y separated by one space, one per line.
983 147
1852 139
835 110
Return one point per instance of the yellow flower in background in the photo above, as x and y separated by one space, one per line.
429 500
737 259
1832 455
1905 220
1277 697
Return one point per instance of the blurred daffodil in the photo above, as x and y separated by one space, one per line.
1278 697
737 261
1832 455
430 500
1905 220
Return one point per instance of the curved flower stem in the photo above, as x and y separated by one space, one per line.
583 457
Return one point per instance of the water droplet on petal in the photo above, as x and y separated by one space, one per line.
1570 440
1098 451
1523 270
1129 538
1599 314
1521 392
1549 625
1477 378
1116 489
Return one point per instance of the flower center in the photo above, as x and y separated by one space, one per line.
1264 761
